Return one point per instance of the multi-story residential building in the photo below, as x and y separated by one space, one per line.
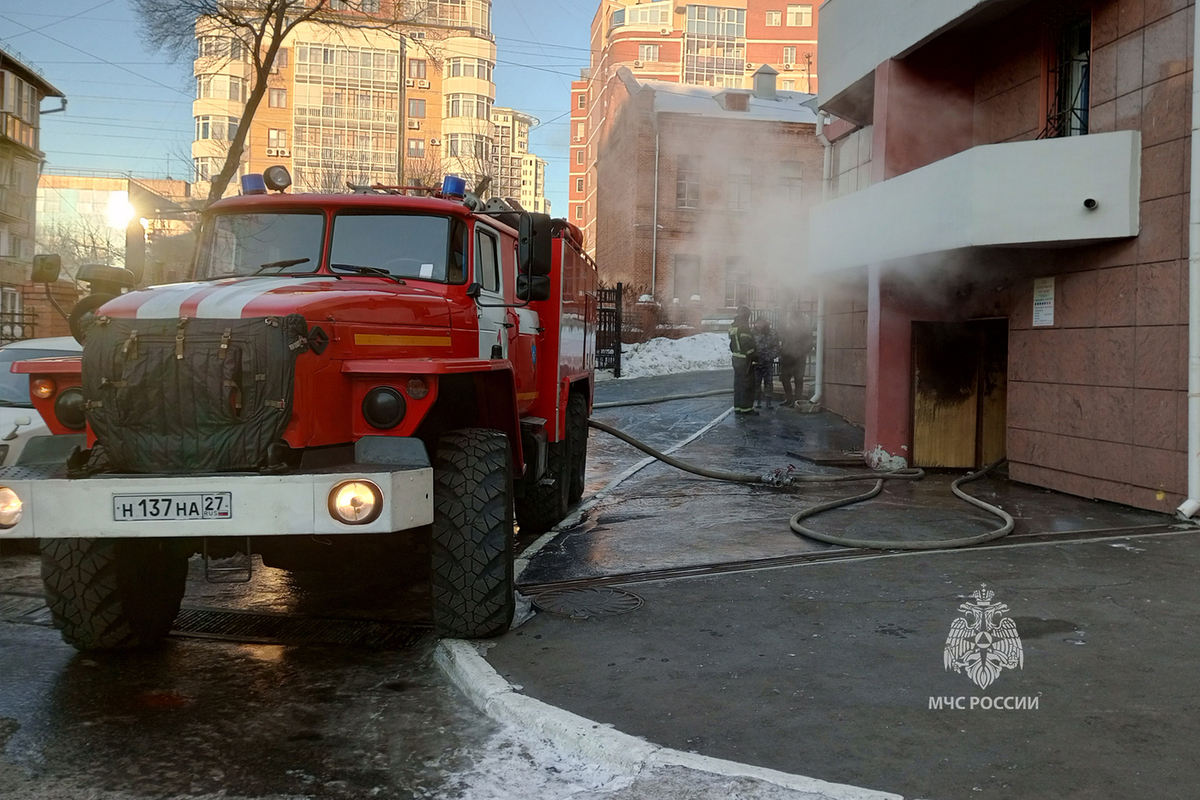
22 89
356 104
701 45
704 193
1005 265
517 173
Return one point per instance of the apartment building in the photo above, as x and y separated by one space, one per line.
704 194
517 173
354 104
1005 264
22 89
718 46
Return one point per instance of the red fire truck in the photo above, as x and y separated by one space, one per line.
379 364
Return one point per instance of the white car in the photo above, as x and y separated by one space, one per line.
19 422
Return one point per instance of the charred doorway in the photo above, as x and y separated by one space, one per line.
960 393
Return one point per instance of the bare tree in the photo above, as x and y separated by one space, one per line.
470 154
261 26
81 240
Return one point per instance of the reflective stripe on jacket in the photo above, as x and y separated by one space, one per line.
741 342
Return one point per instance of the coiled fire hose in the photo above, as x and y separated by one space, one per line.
784 478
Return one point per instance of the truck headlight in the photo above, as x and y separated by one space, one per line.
355 502
10 507
68 408
43 388
383 408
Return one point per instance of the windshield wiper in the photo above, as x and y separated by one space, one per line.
15 404
357 270
284 264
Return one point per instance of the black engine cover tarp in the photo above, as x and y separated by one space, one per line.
211 401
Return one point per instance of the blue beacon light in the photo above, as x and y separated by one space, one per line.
253 184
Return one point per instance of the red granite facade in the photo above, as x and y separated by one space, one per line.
1096 402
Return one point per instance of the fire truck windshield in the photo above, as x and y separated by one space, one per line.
249 244
411 246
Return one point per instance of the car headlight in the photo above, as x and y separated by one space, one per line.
68 409
10 507
383 408
355 502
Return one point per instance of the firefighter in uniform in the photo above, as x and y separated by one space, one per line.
742 346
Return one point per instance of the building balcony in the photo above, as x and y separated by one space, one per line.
1017 194
859 35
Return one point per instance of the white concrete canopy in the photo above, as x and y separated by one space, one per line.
1020 193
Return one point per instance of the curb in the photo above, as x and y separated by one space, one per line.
602 744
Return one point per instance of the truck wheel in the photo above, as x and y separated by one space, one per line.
112 594
577 433
472 534
545 504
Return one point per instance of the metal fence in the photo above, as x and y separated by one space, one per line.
608 329
17 325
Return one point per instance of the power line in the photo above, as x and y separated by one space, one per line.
60 21
93 55
539 69
544 44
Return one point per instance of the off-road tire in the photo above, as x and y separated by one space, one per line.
577 434
544 505
472 558
113 594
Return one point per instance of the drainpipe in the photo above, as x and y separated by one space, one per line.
654 224
1192 505
826 182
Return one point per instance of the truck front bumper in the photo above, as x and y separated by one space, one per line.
260 505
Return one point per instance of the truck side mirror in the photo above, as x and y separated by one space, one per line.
534 239
474 290
533 287
46 267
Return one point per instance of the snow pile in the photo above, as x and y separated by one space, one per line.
704 351
515 765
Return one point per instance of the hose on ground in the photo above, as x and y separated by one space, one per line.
647 401
891 544
782 478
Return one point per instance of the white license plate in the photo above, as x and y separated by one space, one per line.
198 505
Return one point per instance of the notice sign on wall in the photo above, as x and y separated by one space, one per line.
1043 302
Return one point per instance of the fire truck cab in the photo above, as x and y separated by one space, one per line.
399 367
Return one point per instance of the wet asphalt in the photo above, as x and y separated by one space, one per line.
823 668
208 718
826 667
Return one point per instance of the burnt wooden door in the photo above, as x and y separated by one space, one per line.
960 389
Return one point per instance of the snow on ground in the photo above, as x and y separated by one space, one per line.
704 351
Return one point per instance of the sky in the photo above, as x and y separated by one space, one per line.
130 109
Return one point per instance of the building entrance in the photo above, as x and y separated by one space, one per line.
960 393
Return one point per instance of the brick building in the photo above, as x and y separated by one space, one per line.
22 89
719 46
703 192
1005 260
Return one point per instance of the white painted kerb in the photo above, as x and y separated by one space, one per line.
602 744
1018 193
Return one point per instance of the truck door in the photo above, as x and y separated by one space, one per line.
493 317
523 343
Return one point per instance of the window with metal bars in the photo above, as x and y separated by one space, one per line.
1070 84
